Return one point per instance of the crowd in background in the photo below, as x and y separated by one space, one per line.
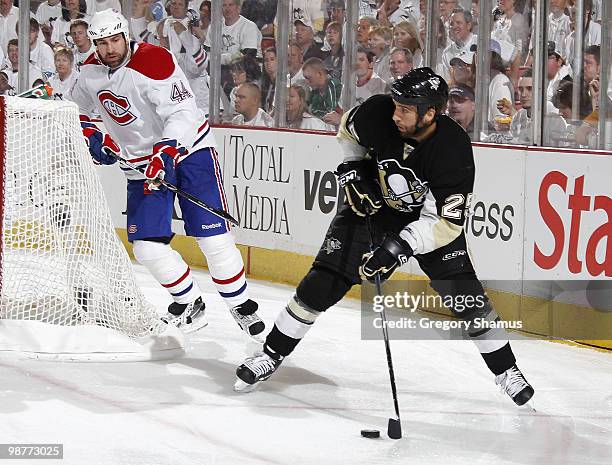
390 37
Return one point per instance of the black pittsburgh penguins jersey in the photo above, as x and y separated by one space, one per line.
430 182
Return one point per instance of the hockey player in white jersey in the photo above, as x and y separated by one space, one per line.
148 108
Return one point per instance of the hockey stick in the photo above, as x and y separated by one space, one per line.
220 213
394 429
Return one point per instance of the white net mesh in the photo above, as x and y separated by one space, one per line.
61 261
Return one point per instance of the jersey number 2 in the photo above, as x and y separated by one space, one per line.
452 208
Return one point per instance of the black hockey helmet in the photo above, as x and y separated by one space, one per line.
422 88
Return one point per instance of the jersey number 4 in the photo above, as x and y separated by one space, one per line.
456 206
179 92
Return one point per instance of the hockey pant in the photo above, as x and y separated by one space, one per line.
336 269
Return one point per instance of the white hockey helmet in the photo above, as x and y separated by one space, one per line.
107 23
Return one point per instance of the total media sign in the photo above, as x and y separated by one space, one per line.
568 231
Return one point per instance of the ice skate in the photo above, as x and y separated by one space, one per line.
513 383
188 317
255 369
248 320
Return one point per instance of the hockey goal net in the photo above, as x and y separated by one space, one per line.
67 287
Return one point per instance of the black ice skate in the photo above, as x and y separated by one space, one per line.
255 369
188 317
248 320
513 383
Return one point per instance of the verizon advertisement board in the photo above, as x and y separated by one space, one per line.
535 215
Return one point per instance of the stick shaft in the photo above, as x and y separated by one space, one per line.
220 213
377 283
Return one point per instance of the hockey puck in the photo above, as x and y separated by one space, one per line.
370 433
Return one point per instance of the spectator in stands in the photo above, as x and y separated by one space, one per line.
304 36
562 100
446 10
66 74
462 39
83 45
392 12
333 61
557 71
245 69
558 22
174 33
41 55
46 14
462 71
297 114
13 69
363 29
248 102
368 81
368 8
512 27
9 16
590 80
336 11
368 84
400 62
310 13
5 86
462 106
591 32
406 35
325 90
201 30
558 27
262 13
379 40
268 79
240 38
146 14
71 10
521 121
295 60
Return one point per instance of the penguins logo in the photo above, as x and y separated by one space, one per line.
331 245
401 189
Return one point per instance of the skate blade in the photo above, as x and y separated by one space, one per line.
244 388
195 326
257 337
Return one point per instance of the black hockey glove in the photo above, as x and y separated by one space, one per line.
393 252
362 192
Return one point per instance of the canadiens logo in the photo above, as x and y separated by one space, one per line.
401 188
117 107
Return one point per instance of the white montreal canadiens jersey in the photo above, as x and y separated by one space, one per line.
147 99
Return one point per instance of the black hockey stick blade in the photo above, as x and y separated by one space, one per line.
215 211
394 429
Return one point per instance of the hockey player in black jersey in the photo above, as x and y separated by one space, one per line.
412 169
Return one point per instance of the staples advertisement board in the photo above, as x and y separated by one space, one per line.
568 221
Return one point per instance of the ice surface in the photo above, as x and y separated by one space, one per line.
184 412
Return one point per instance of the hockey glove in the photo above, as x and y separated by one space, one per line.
362 192
99 143
167 154
393 252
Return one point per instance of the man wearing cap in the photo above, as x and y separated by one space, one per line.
462 39
461 69
304 36
462 106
